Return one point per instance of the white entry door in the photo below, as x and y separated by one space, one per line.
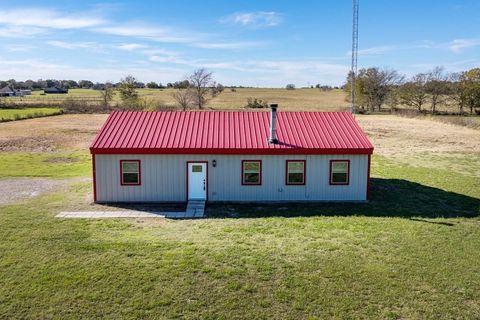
197 181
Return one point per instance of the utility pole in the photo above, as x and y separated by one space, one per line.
353 71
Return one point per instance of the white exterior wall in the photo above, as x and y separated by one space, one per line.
163 179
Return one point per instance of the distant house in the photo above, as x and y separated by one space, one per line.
55 90
25 92
230 156
7 92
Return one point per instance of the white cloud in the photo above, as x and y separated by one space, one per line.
19 47
130 46
254 19
458 45
160 51
73 45
20 32
375 50
227 45
44 18
154 33
36 69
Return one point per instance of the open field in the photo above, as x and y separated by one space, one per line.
411 252
304 99
289 100
20 114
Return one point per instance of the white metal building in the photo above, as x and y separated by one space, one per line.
231 156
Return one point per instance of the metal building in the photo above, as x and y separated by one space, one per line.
230 156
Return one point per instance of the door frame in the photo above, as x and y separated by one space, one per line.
206 177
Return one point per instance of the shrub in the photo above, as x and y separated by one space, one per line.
72 105
254 103
158 105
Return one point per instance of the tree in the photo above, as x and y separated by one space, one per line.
184 97
51 83
85 84
128 89
107 95
373 86
465 89
217 89
413 93
184 84
470 86
152 85
436 86
72 83
290 86
200 81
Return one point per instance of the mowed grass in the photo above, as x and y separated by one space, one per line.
410 253
38 164
28 113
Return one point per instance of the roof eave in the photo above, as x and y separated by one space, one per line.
172 151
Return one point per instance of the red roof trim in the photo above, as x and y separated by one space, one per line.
228 151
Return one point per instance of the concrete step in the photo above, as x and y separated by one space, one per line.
195 209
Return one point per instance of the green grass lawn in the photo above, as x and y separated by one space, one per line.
36 164
28 113
412 252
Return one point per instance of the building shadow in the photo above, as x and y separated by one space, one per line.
388 198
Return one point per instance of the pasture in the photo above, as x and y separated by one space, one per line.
28 113
306 99
411 252
299 99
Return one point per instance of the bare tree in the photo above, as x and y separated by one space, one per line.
184 97
200 81
107 95
436 86
413 93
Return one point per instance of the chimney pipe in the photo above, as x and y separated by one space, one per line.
273 124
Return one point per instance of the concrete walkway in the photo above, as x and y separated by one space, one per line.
195 210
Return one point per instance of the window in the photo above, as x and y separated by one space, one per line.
339 172
251 172
295 172
196 168
130 172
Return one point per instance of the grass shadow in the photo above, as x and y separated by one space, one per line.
389 198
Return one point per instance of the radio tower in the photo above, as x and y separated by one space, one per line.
353 71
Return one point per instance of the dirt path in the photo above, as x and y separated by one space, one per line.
19 189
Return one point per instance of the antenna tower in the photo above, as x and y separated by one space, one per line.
353 71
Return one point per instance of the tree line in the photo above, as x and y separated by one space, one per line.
377 88
87 84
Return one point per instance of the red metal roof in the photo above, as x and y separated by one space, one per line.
230 132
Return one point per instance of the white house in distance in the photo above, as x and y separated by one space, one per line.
230 156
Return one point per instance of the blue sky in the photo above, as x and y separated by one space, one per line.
256 43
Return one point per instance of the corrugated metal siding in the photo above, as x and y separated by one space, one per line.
163 179
230 132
